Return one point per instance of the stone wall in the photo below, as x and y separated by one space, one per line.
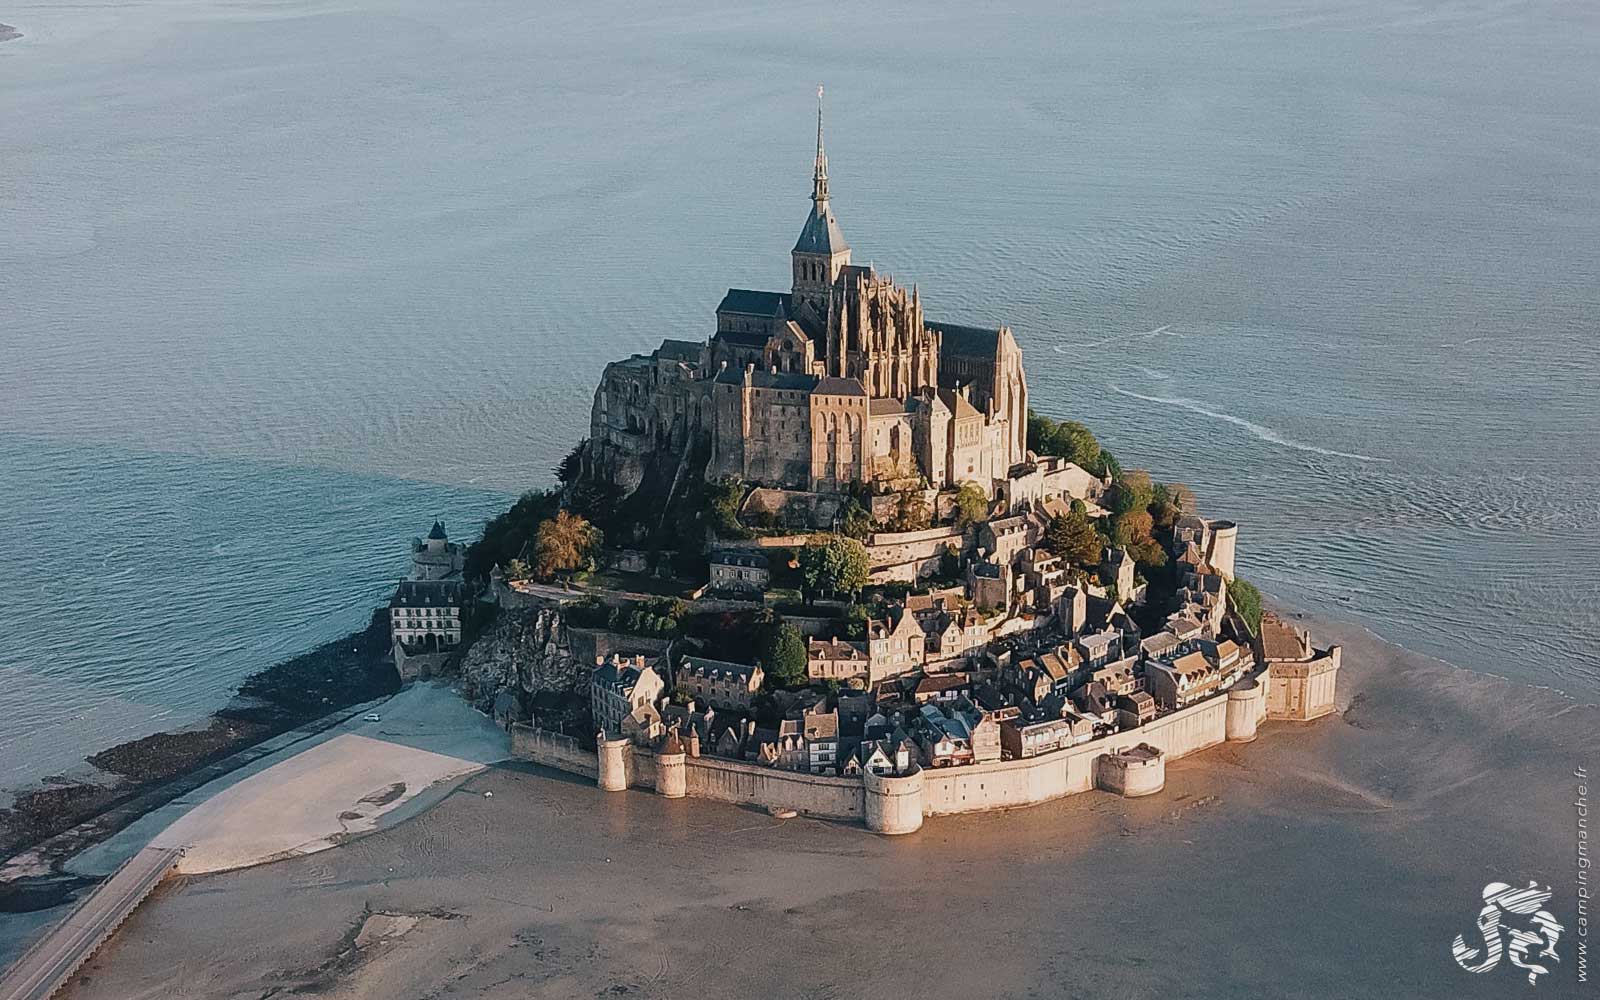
896 805
753 784
1009 783
540 746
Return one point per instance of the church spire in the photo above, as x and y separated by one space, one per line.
819 176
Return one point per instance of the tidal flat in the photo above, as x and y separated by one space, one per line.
1332 859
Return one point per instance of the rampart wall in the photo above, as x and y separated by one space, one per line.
885 806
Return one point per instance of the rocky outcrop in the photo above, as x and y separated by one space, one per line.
526 651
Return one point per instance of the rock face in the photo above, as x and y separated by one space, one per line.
526 651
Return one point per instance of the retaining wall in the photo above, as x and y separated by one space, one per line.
942 791
753 784
1009 783
552 750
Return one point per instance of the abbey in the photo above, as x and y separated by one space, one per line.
839 381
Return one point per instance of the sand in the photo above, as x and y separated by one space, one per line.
1336 859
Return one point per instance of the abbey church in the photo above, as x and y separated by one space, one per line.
839 381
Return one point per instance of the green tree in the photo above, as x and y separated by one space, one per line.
1246 599
833 565
1135 532
505 536
516 569
722 508
1131 491
1170 501
783 655
855 620
971 505
911 513
1070 440
854 521
570 467
565 544
1072 537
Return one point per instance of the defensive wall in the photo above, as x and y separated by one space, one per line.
897 804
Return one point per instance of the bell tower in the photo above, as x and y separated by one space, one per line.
820 251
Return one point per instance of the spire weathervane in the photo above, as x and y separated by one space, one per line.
819 177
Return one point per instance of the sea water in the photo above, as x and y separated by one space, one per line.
281 282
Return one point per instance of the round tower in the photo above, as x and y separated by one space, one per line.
892 803
672 773
1224 538
1244 700
613 755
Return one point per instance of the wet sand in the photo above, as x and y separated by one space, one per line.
1336 859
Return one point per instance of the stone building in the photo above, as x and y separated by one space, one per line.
620 685
426 614
840 380
436 557
426 610
735 572
720 684
1302 678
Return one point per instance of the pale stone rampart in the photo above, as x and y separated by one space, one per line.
1031 780
540 746
896 804
1140 771
753 784
893 804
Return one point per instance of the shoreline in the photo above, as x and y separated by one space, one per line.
48 823
1425 781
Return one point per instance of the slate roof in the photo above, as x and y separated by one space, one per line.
750 560
769 380
835 386
699 666
438 531
750 302
821 233
744 338
968 341
680 350
427 594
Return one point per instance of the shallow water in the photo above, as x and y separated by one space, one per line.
284 281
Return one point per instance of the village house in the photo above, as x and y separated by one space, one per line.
720 684
643 726
436 557
820 728
734 572
894 647
782 747
888 756
1182 682
1004 537
1135 709
1161 646
1099 648
618 686
985 726
1020 739
1119 676
989 584
833 660
945 740
942 688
